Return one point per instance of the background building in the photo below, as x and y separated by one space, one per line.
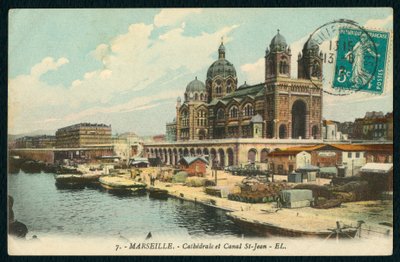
374 126
82 135
43 141
170 134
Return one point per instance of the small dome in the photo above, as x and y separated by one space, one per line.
257 119
311 44
278 43
178 99
195 86
244 85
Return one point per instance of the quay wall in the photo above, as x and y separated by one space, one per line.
45 155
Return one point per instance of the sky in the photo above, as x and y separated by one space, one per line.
126 67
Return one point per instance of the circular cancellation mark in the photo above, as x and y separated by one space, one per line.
349 56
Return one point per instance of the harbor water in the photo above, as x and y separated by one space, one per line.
95 212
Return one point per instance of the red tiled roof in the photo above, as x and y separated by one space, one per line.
295 150
341 147
364 147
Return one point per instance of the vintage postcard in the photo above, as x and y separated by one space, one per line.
248 131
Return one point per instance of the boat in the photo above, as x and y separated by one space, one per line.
66 181
158 193
271 226
122 184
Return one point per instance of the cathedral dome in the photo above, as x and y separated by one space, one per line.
278 43
221 67
196 86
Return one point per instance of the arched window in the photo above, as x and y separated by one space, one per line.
283 67
196 97
201 97
229 86
248 110
233 112
221 113
282 131
315 70
270 67
314 132
218 87
201 118
185 118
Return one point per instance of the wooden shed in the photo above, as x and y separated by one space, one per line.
193 165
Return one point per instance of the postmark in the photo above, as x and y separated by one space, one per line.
339 43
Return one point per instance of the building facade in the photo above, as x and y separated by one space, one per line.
43 141
170 134
82 135
374 126
279 108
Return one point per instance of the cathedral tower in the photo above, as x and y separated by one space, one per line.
277 58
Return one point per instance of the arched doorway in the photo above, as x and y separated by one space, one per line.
165 154
282 131
192 153
299 111
213 154
314 132
206 154
264 155
171 157
198 152
185 152
176 158
221 154
230 157
252 155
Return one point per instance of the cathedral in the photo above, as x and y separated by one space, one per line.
281 107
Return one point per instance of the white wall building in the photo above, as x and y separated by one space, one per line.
353 161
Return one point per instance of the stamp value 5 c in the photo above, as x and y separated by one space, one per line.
361 60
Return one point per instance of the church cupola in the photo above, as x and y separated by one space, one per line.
277 58
310 61
221 76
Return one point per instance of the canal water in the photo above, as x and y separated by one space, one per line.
47 210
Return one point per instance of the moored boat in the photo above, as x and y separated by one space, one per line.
158 193
122 184
76 180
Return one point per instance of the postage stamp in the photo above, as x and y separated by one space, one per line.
361 60
201 131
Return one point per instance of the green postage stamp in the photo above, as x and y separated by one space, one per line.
361 60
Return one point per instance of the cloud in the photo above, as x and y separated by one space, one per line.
379 23
168 17
133 64
135 104
254 71
47 64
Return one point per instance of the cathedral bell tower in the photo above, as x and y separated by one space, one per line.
310 61
277 58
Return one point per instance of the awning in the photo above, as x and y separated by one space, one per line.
382 168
